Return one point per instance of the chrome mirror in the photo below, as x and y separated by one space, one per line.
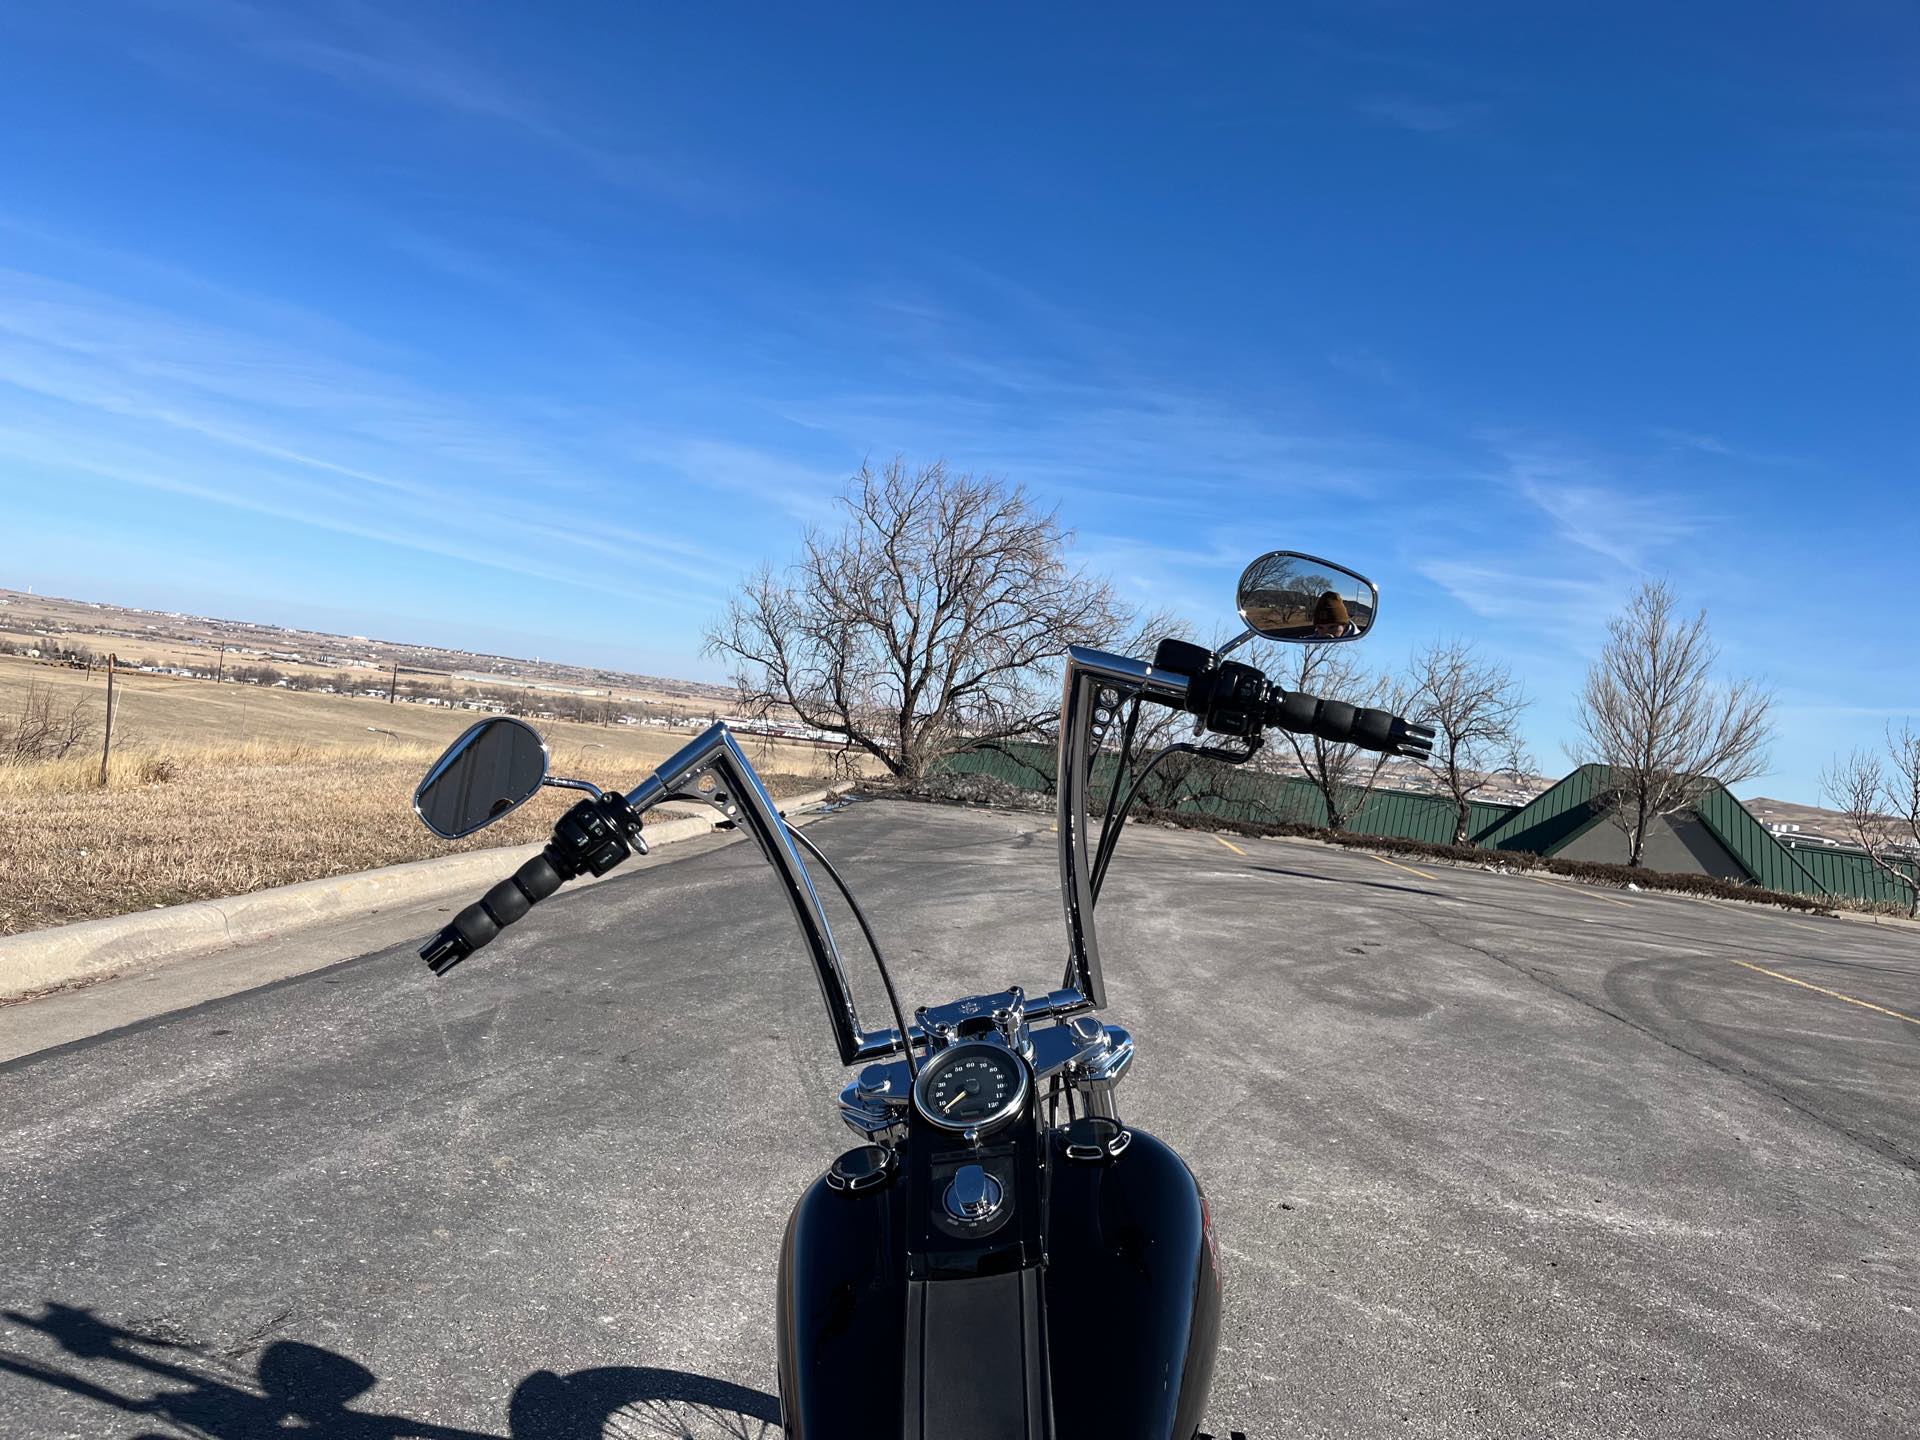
490 771
1305 600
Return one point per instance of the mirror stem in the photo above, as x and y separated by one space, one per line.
559 782
1235 643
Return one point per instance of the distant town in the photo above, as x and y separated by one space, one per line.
84 634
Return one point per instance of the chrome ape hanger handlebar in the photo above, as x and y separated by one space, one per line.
713 770
1097 686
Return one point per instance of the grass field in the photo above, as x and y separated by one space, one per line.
218 790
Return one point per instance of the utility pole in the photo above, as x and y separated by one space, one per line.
393 685
106 748
220 670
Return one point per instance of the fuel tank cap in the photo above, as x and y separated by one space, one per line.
865 1167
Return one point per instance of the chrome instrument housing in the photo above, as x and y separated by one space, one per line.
979 1126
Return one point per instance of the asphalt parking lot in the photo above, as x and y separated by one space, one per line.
1489 1155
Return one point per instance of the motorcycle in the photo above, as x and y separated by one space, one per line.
1001 1255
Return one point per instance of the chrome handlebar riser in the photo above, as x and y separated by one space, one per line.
713 770
1097 685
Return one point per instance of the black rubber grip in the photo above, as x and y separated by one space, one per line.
506 903
475 926
1344 724
590 839
1335 722
1293 710
478 924
1373 729
538 878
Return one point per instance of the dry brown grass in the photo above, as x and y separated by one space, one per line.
221 789
193 824
169 713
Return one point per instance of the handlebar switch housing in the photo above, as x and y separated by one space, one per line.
593 837
590 839
1230 698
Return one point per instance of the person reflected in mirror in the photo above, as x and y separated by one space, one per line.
1331 621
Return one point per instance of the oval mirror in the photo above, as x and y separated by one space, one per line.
1305 600
490 771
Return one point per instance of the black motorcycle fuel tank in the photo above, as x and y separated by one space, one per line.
1112 1336
1133 1293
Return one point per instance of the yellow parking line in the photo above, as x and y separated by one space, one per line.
1230 845
1396 865
1588 889
1809 985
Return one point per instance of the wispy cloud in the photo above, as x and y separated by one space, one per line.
790 486
1423 117
1698 443
1555 604
132 394
1363 362
1023 385
382 51
1590 506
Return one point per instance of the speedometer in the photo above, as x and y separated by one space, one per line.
975 1086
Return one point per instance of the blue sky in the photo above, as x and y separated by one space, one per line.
534 327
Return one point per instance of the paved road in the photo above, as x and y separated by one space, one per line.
1489 1156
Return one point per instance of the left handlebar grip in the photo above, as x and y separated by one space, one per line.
478 924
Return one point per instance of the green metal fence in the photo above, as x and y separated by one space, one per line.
1847 872
1200 787
1206 787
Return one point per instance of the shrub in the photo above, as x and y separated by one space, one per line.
38 729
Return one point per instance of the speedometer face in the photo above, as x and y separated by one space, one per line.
971 1087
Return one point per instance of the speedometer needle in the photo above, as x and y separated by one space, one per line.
953 1102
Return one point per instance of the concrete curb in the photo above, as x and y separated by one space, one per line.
41 960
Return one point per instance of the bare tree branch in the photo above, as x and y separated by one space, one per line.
1345 775
1475 706
932 619
1652 712
38 729
1878 798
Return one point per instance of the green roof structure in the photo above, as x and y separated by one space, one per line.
1560 819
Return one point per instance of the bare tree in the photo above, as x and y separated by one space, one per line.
40 729
1652 711
1878 798
928 622
1345 775
1475 706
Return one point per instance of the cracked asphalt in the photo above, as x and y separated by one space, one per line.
1489 1155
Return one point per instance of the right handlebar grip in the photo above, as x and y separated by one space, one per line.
1344 724
478 924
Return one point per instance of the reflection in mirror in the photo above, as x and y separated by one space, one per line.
1285 595
492 769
